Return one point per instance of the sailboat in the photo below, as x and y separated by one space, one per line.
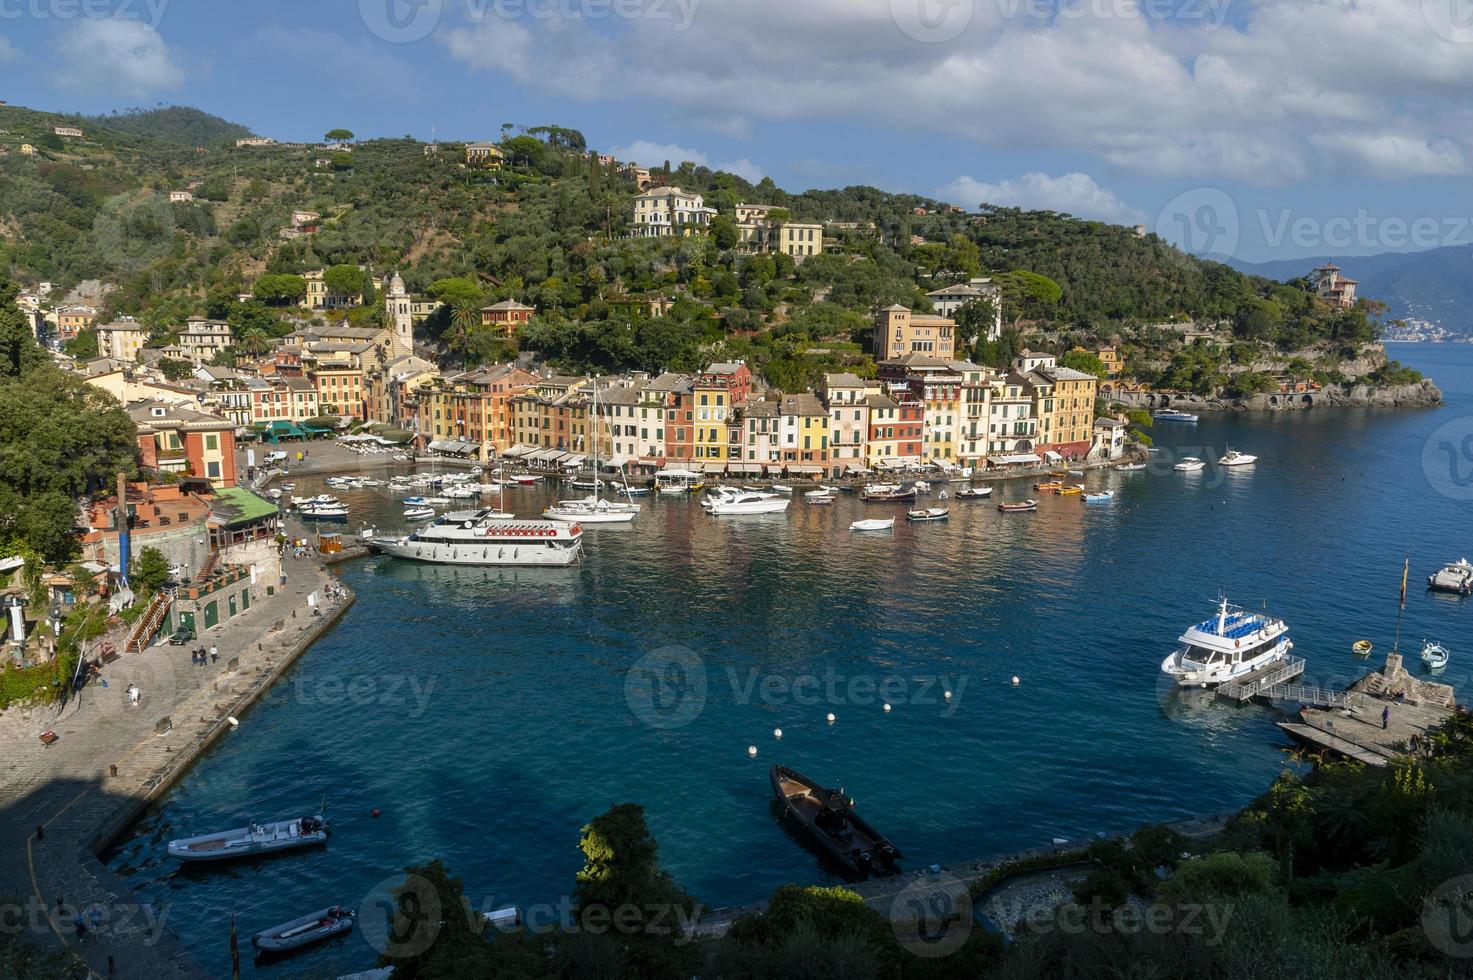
593 509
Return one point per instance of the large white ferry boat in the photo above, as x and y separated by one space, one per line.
1227 646
486 538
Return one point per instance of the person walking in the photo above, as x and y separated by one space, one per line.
214 653
1385 717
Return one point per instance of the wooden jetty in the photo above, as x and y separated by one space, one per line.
1411 708
1275 682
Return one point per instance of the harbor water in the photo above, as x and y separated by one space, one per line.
489 714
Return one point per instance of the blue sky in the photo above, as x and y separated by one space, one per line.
1244 127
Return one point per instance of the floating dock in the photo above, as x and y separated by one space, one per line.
1275 682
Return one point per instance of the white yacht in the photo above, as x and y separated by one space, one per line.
1189 464
479 538
728 500
1227 646
1454 577
1235 458
1171 415
317 511
592 510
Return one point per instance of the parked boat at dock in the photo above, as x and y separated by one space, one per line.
252 839
973 493
1227 646
928 514
304 930
478 538
1020 507
888 491
828 815
1455 577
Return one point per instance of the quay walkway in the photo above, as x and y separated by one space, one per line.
62 804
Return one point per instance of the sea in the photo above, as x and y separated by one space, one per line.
979 686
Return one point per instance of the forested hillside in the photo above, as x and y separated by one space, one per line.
550 229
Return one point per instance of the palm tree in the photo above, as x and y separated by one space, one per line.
463 322
255 341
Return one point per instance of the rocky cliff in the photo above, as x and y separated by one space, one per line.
1423 394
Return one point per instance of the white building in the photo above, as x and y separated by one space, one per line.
1012 427
948 299
665 211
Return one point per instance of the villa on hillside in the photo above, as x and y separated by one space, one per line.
1334 288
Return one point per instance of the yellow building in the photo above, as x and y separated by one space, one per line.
712 408
1063 403
899 332
121 340
803 435
340 390
486 155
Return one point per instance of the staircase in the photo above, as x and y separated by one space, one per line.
208 568
150 623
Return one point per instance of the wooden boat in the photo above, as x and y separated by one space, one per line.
1434 655
304 930
1361 648
888 491
928 514
973 493
829 816
251 840
1018 508
1051 485
1070 491
873 525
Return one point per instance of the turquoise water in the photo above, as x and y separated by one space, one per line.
487 712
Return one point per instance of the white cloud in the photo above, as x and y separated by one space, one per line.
1076 193
1289 88
8 52
648 153
116 57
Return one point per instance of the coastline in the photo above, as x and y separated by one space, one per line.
1423 394
67 790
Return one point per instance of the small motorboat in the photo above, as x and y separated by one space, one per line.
1434 655
928 514
821 501
415 501
1171 415
1070 491
1052 485
781 488
1189 464
252 839
828 814
1102 497
1020 507
1130 467
304 930
973 493
875 524
1361 648
888 491
527 479
1455 577
1234 458
323 512
813 495
418 513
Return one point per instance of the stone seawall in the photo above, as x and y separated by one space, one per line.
1424 394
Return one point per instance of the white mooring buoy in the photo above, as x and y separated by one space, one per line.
234 722
946 695
831 718
887 707
752 751
777 733
1016 682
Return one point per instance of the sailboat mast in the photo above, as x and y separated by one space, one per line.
1401 608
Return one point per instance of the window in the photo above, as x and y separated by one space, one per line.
212 442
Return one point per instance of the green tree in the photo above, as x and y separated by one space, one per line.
279 290
437 935
345 280
19 351
724 232
175 369
149 571
1083 360
338 135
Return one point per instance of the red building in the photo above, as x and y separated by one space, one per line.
507 315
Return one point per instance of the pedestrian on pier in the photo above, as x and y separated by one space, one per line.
214 653
79 926
1385 717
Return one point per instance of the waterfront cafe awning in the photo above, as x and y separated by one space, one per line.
517 451
804 468
572 460
855 468
618 461
680 474
1052 456
285 430
744 467
459 446
899 462
544 455
714 467
1015 459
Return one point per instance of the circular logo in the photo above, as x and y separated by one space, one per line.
400 21
1447 459
1447 916
1451 20
1202 221
932 21
666 688
932 916
400 916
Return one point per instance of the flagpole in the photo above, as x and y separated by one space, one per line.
234 951
1405 570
